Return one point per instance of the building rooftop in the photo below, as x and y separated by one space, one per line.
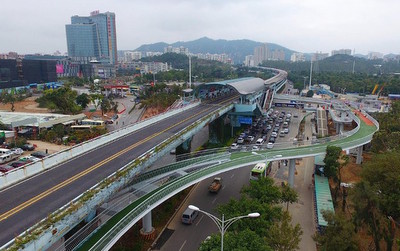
243 85
37 119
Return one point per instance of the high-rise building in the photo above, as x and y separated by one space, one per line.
93 38
297 57
319 56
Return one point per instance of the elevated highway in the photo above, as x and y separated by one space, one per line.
110 233
33 199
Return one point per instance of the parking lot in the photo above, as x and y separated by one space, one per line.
278 128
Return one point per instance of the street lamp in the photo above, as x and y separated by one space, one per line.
223 224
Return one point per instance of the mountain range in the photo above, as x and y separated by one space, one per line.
237 50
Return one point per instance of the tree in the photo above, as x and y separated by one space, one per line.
376 198
283 236
8 98
310 93
62 99
83 100
263 190
245 240
288 195
105 106
332 166
338 235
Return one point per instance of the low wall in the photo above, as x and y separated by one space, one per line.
26 171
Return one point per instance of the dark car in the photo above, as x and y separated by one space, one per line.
28 147
39 155
18 163
272 139
5 168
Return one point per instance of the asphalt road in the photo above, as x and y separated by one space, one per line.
32 200
189 237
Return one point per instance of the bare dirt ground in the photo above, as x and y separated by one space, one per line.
27 105
150 112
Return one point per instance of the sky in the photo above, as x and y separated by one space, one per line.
38 26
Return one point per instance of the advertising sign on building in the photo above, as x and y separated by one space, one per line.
245 120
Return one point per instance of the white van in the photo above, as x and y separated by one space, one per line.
5 151
260 141
189 216
4 158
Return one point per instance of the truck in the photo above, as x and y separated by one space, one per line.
215 186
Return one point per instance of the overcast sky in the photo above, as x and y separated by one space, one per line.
30 26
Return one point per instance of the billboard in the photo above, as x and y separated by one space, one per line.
59 69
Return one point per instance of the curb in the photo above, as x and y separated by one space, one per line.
172 217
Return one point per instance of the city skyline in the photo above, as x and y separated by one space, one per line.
306 26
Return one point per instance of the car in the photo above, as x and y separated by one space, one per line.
247 131
5 168
17 151
282 134
173 151
240 141
271 139
274 134
29 159
242 135
39 154
280 120
18 163
277 124
276 129
269 127
295 115
260 141
285 124
250 138
286 130
255 148
270 145
234 146
287 120
265 131
28 147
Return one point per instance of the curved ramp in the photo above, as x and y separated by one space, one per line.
106 237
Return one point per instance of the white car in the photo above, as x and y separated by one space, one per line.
255 148
250 138
17 151
274 134
270 145
234 146
286 130
282 134
240 140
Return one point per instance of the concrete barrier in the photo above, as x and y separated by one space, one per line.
24 172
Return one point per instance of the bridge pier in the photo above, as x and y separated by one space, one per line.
359 155
148 232
292 170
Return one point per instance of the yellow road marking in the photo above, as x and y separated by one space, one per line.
92 168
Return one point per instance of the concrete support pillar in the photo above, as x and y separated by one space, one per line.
341 127
147 232
359 154
292 170
337 126
147 223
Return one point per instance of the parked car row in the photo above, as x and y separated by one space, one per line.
35 156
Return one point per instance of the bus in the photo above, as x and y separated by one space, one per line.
260 169
91 122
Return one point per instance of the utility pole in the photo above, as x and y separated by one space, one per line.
190 71
309 85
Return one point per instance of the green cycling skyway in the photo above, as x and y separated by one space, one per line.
110 232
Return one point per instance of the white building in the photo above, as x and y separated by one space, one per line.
374 55
249 61
341 51
319 56
297 57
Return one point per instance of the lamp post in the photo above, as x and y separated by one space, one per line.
223 224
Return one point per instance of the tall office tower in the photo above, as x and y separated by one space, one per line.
93 38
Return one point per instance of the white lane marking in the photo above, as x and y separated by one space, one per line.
199 220
182 245
232 175
213 201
